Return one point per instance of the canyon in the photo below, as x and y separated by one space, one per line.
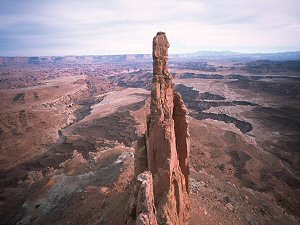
76 146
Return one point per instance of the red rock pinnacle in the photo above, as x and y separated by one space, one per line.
167 144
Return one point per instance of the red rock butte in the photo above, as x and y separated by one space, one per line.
162 155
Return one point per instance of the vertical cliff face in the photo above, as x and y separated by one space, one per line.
182 137
166 150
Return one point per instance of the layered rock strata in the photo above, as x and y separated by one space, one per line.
164 150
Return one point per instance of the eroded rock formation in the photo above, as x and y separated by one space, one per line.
163 152
141 208
182 137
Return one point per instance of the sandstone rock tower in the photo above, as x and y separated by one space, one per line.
160 195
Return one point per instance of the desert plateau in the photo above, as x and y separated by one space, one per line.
118 112
69 129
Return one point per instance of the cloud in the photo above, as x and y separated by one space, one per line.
58 27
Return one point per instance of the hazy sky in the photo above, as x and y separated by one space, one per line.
64 27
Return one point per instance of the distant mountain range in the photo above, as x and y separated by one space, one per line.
228 55
197 56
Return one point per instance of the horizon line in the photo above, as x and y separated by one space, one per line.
122 54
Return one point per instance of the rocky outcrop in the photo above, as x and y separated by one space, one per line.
165 154
141 209
182 137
